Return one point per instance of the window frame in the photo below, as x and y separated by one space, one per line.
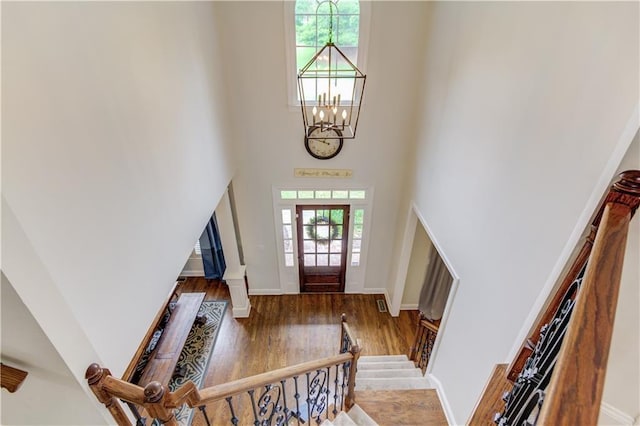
364 27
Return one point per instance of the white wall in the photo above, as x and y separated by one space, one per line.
524 106
49 390
270 133
115 154
417 270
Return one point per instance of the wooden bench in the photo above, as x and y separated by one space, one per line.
163 360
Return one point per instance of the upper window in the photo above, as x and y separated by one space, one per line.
316 19
308 28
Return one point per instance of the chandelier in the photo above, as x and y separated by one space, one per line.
331 90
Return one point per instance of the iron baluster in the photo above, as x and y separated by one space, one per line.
297 397
253 406
326 388
345 378
203 408
335 392
284 400
140 421
308 399
234 419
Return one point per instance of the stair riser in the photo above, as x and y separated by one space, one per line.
395 384
385 365
383 358
392 373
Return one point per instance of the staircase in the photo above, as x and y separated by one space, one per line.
386 372
354 417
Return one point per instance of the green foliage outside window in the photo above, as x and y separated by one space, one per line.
310 37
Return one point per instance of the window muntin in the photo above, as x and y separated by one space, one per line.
356 238
287 236
310 194
312 31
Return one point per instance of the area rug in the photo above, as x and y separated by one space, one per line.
196 355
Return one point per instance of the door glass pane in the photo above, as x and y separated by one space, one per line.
334 260
337 216
309 260
309 231
323 248
322 232
309 246
308 216
336 246
336 232
323 260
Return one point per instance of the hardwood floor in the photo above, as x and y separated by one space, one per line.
289 329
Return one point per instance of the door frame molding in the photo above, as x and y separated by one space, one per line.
355 275
344 252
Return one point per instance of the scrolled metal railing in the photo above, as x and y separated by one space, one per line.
309 392
423 341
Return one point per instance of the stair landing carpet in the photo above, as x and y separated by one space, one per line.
196 354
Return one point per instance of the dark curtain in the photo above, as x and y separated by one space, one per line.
211 248
435 290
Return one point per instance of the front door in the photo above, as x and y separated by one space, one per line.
322 247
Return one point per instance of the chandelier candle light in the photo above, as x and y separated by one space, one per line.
331 90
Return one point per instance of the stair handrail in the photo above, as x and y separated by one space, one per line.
159 402
578 380
558 375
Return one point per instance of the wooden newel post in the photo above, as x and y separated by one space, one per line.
154 401
350 400
95 376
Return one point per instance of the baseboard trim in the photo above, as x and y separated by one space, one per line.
614 413
448 412
366 290
242 312
409 307
192 273
265 292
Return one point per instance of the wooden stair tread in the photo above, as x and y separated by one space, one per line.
402 407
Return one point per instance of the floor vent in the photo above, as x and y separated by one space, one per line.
382 307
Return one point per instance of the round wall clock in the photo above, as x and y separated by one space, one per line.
328 144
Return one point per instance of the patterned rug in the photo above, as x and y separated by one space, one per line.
196 354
